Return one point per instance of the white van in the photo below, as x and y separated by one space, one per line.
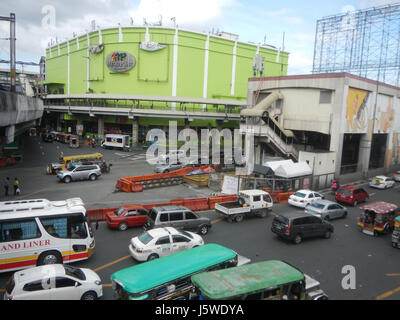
119 141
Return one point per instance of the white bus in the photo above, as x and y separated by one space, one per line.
38 232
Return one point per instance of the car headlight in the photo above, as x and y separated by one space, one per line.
98 282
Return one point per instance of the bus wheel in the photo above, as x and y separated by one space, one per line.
49 257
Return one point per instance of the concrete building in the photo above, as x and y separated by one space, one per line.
165 70
339 123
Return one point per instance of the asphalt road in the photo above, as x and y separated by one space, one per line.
376 263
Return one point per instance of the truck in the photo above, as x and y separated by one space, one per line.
250 202
119 141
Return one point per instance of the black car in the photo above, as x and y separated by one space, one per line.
297 227
48 137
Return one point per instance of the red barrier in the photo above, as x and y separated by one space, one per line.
177 202
219 199
136 187
197 204
149 206
124 184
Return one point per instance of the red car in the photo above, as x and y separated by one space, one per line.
351 194
127 216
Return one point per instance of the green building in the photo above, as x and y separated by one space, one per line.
157 68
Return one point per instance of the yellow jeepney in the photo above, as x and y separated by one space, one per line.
53 168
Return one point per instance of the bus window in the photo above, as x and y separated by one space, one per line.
78 230
56 227
19 230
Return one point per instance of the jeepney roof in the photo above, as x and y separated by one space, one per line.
380 207
145 276
397 218
83 156
235 281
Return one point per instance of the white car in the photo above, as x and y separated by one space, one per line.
396 176
174 155
302 198
382 182
162 242
54 282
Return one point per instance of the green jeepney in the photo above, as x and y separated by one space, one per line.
168 278
267 280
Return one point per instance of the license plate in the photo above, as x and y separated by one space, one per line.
343 196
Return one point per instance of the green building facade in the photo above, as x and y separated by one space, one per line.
158 61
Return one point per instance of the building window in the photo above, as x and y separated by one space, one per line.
325 97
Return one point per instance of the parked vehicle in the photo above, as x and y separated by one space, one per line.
93 158
178 217
296 227
168 278
396 176
127 216
168 167
162 242
250 202
378 217
48 137
301 198
119 141
54 282
352 195
38 232
80 172
74 141
382 182
396 233
326 209
172 156
266 280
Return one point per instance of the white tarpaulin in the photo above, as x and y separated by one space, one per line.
230 185
292 170
276 164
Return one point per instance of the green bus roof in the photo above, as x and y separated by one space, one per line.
151 274
230 282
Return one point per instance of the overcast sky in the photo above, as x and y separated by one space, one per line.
40 21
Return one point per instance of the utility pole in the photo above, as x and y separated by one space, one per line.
11 19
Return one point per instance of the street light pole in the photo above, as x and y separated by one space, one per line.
11 19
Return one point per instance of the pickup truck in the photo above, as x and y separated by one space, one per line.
249 202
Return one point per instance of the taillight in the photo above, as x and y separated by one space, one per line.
139 250
320 213
287 230
10 298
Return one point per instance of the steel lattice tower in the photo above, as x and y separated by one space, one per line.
364 42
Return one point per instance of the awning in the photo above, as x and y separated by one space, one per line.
299 169
11 146
259 169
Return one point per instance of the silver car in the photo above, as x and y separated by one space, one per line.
80 172
168 167
326 209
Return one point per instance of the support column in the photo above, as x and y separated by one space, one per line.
10 134
100 127
79 126
135 132
364 154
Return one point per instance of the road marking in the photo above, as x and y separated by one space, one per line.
393 274
111 263
2 290
107 285
28 195
387 294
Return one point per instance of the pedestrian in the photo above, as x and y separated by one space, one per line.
16 186
6 186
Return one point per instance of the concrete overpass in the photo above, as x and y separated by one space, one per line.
139 106
17 113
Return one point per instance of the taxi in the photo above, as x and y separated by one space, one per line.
162 242
302 198
382 182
